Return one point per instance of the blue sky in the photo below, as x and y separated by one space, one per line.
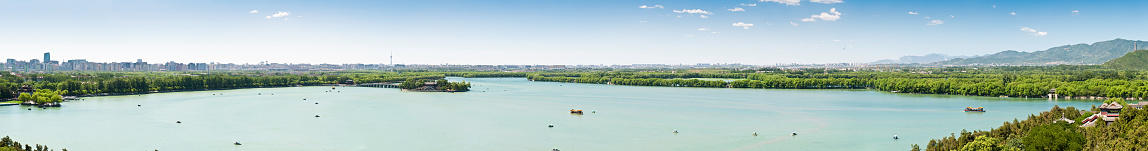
552 32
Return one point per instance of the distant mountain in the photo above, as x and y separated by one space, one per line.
1133 60
929 58
1096 53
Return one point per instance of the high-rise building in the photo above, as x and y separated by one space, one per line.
11 64
47 56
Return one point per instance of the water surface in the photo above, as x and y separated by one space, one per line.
511 114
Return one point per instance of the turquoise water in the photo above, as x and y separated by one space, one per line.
511 114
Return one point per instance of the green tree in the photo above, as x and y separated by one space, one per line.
982 143
24 97
1054 137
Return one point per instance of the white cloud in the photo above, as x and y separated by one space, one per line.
748 4
703 29
253 11
648 7
927 17
951 16
1033 31
286 18
714 32
280 14
826 1
693 11
835 40
786 2
832 15
742 25
736 9
1026 29
268 17
935 22
704 16
808 19
1012 13
913 13
794 24
1075 12
641 21
994 6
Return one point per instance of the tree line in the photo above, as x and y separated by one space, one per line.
88 83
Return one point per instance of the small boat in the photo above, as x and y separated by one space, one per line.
793 133
137 105
895 137
177 122
551 125
754 133
971 109
573 111
237 143
316 115
675 131
593 111
316 102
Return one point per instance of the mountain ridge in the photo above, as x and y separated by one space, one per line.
1083 53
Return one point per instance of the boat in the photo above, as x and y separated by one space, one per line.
573 111
237 143
971 109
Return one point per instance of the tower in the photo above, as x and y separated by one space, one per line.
392 58
47 57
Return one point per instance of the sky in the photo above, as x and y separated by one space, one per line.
590 32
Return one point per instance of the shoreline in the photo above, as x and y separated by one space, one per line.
169 91
875 89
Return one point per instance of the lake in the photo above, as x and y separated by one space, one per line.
511 114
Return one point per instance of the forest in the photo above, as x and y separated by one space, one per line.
89 83
1032 82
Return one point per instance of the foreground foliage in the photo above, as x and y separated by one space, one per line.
7 144
1038 132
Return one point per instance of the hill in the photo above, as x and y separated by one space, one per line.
1133 60
1095 53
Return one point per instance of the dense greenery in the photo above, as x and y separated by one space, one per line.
1069 81
1038 132
1133 60
86 83
41 96
7 144
441 84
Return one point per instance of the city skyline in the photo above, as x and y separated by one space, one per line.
546 32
